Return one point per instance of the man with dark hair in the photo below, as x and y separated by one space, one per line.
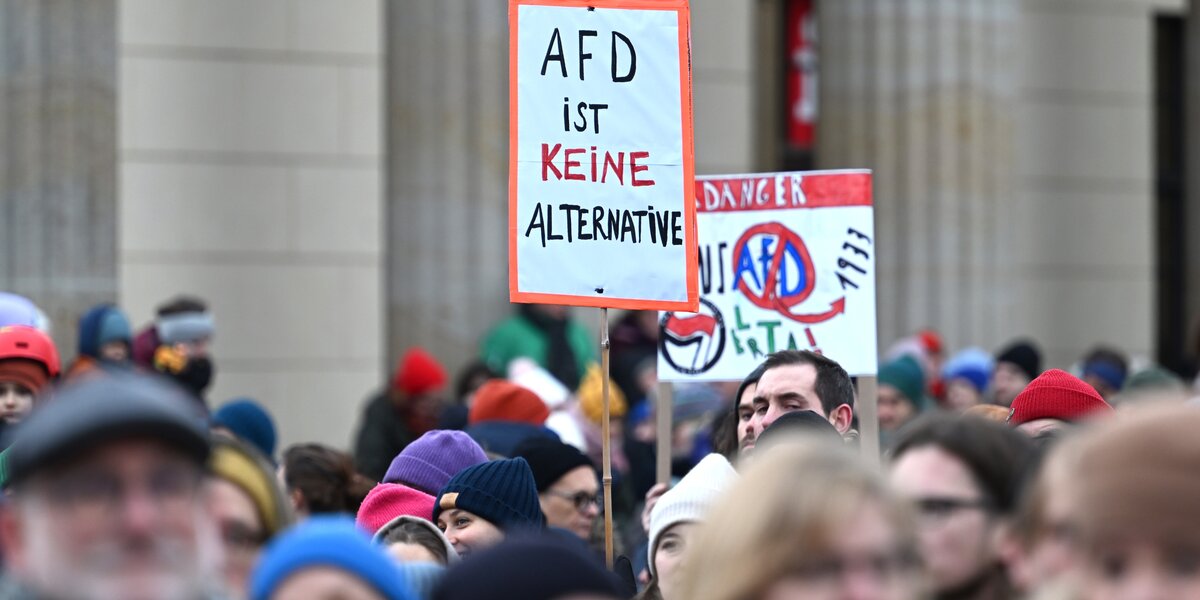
794 380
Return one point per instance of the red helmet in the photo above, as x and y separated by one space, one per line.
19 341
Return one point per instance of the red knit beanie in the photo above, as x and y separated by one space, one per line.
1057 394
387 501
27 373
500 400
419 372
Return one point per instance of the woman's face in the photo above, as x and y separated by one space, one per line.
865 563
669 556
468 532
242 532
955 525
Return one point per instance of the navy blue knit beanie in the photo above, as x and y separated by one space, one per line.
501 492
100 325
249 421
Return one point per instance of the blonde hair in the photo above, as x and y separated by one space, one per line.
792 504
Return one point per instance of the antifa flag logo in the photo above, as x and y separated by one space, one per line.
692 342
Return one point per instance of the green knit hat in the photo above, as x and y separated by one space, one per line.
905 374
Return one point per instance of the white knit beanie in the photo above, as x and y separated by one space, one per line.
690 499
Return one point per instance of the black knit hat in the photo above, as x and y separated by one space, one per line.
798 423
550 460
1025 356
501 492
529 568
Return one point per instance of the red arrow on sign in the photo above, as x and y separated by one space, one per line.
836 308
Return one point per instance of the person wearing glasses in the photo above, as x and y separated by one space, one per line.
108 496
567 484
963 474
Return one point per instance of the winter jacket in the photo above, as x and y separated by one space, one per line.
382 434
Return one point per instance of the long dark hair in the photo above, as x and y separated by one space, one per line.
325 477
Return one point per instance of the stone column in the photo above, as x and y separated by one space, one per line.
447 172
1191 184
922 91
58 173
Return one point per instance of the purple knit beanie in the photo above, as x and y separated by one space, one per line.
433 459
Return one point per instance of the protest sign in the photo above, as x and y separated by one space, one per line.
601 168
786 261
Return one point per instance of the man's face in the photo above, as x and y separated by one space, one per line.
1008 381
786 389
126 520
745 416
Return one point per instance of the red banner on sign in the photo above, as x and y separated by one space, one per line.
773 191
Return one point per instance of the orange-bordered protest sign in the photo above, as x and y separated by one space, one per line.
601 175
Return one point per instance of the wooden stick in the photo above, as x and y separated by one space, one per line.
868 420
606 442
662 470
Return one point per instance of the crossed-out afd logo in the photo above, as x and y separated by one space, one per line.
774 271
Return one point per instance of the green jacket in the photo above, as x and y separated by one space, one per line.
515 337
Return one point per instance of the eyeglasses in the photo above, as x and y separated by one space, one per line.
581 500
939 508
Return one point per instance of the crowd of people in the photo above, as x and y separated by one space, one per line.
999 478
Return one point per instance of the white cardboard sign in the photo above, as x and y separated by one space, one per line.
601 175
786 261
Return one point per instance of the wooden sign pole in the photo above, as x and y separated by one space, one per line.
662 417
606 443
866 405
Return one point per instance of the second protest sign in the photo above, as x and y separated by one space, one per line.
787 261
